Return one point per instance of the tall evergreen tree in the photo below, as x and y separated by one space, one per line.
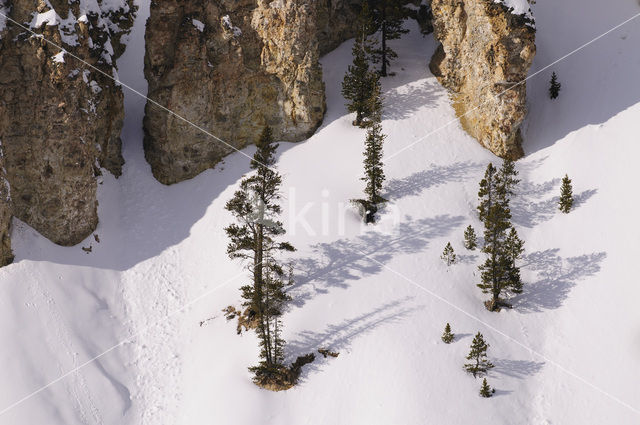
495 216
388 17
508 179
254 237
470 239
373 154
359 83
513 249
479 364
499 272
566 195
554 86
373 105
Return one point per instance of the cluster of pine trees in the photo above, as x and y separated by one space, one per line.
379 21
499 273
479 364
256 234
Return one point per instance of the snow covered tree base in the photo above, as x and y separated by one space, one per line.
496 305
279 377
272 378
366 209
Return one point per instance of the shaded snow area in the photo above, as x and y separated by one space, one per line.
566 354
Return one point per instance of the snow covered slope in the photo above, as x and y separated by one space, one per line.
566 354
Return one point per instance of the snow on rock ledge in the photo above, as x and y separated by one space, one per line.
55 125
485 49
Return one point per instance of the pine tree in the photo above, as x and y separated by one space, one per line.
499 272
359 81
478 355
447 336
495 215
374 105
448 256
373 166
554 86
566 195
513 249
485 390
388 17
508 181
470 239
253 237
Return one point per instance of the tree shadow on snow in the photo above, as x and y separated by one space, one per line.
458 337
338 337
405 100
582 198
436 175
466 259
556 277
529 207
498 392
516 368
335 264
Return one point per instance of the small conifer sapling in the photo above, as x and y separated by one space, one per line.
479 364
566 195
447 336
470 239
448 256
554 86
485 390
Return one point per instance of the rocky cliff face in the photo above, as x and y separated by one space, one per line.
230 67
335 22
484 50
6 255
59 120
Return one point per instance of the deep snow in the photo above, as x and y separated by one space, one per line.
378 295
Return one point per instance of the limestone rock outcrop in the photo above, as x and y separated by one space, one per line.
485 49
230 67
336 22
60 120
6 254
